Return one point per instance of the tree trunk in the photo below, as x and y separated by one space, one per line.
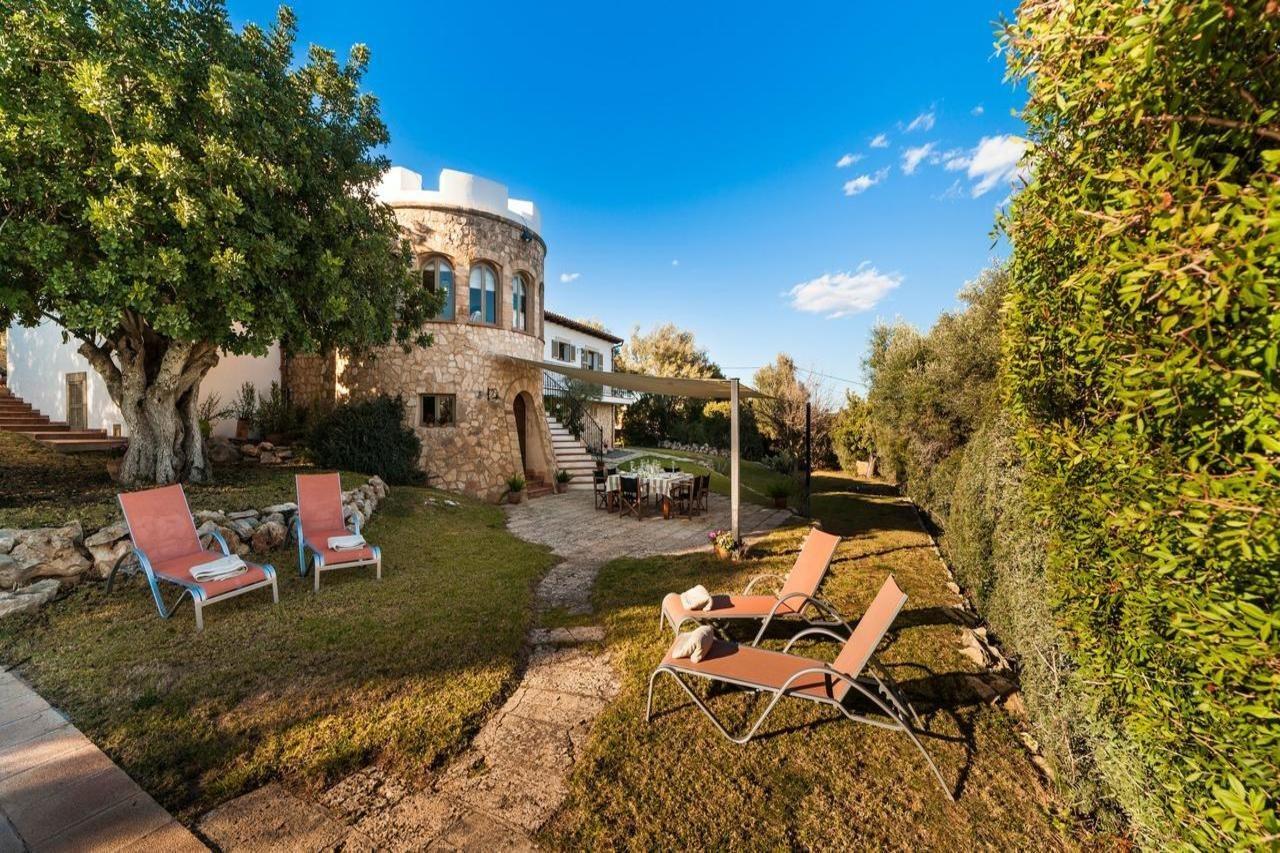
155 381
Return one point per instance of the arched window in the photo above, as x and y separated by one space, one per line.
483 306
437 276
519 311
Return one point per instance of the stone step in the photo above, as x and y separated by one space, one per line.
84 445
47 427
44 435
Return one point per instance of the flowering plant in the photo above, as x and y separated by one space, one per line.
723 539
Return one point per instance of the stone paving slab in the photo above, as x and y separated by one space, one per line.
272 820
60 792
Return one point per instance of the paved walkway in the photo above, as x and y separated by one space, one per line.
60 792
514 775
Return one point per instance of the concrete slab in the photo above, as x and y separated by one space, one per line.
271 819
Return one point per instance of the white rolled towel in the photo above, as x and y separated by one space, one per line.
219 569
696 599
346 543
694 645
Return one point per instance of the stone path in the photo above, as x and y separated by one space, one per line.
60 792
515 773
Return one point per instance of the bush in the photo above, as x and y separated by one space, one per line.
1141 341
369 437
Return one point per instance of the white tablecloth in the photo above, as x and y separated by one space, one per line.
659 484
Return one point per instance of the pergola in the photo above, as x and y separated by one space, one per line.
703 389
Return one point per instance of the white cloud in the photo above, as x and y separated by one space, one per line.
848 160
862 183
995 162
977 111
880 140
567 277
912 157
842 293
924 121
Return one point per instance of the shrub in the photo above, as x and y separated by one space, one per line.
370 437
516 482
1141 340
276 414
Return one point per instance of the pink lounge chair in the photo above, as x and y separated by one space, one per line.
319 518
797 597
782 674
168 548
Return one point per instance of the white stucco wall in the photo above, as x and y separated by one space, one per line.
553 332
38 362
462 190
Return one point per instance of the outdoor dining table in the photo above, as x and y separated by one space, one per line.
659 483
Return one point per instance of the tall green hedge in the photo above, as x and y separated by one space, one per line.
1141 335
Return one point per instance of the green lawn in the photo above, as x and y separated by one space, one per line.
399 672
41 487
756 478
811 779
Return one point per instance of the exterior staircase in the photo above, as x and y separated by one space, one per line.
17 415
571 455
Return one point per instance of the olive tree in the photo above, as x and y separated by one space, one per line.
172 189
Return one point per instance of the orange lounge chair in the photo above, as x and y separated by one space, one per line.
797 597
320 518
783 674
168 549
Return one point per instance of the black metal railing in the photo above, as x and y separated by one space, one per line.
589 431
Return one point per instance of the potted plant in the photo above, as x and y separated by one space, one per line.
779 491
210 412
723 542
246 410
562 479
515 488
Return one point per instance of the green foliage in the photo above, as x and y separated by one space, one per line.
563 476
781 414
1143 324
276 414
573 407
370 437
246 405
851 438
516 482
174 188
652 419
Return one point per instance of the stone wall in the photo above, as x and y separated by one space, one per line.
481 449
309 379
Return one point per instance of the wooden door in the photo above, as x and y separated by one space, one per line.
519 409
77 401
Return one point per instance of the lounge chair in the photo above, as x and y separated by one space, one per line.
319 519
783 674
797 596
168 549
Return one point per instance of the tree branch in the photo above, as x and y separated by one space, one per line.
99 355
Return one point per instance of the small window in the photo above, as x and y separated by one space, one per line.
437 275
592 360
562 351
436 410
483 307
518 319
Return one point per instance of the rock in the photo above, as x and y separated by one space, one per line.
28 598
981 633
269 535
379 486
105 556
244 513
232 538
268 458
284 508
274 518
1015 706
13 573
243 527
107 535
975 654
250 451
284 454
265 446
220 450
8 538
53 551
206 528
953 587
203 515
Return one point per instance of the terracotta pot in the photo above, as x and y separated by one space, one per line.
722 552
242 428
515 497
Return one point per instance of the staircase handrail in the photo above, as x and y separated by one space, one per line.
592 434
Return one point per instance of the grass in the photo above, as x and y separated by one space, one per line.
399 672
811 779
41 487
756 479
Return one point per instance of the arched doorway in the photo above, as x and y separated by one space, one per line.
521 410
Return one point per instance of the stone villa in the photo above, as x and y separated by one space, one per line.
479 413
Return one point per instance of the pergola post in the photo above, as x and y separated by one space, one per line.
733 456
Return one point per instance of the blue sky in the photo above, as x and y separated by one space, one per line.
684 155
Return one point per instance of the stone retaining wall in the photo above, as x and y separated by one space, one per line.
35 563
